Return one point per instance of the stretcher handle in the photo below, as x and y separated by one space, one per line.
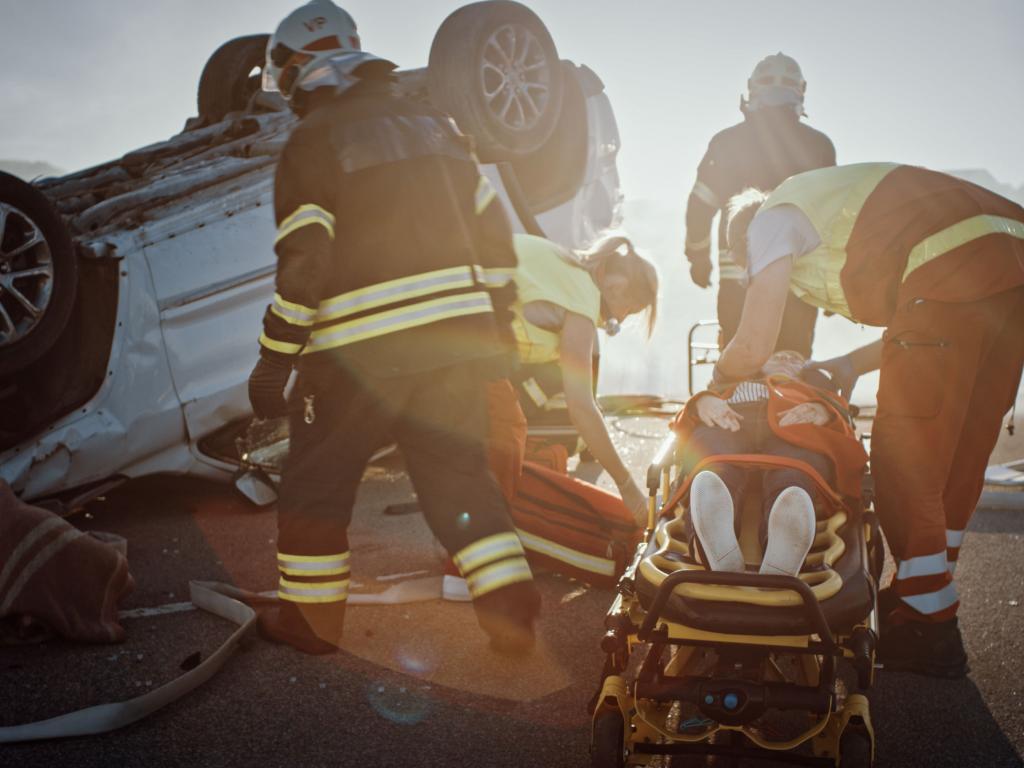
662 460
816 621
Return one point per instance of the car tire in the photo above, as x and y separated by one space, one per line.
229 78
494 67
38 275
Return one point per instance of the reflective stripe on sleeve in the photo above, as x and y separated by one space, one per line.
703 192
399 319
293 313
933 602
494 277
499 575
926 565
488 550
580 560
960 233
394 291
700 245
313 565
485 194
303 216
954 539
284 347
313 592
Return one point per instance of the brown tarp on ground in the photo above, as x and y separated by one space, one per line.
57 576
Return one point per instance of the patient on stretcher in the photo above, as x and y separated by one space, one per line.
777 414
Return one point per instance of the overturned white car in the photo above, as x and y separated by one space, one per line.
131 293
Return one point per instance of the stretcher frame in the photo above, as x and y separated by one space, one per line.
648 667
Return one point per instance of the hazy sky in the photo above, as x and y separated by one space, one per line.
932 82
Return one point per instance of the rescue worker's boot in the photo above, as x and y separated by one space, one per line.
314 628
711 512
935 649
790 532
507 616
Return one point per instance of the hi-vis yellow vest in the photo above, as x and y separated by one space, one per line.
544 275
880 222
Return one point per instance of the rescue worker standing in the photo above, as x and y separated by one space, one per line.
769 146
388 260
940 263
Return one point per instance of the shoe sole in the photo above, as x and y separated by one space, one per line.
711 511
790 533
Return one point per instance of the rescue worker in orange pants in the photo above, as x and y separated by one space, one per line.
940 263
567 524
388 302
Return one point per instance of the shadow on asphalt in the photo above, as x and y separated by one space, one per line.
997 521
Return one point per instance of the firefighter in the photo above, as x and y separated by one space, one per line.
770 145
393 278
939 262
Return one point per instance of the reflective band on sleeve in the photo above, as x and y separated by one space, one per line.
313 592
698 246
572 557
730 271
958 234
954 539
303 216
703 192
926 565
284 347
399 319
313 565
494 277
933 602
484 194
951 566
498 575
293 313
488 550
393 291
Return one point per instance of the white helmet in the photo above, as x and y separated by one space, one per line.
777 81
316 45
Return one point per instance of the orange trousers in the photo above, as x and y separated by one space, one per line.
949 374
565 524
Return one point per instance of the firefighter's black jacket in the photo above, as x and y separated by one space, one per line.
390 242
769 146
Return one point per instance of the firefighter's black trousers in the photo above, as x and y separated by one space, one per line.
438 418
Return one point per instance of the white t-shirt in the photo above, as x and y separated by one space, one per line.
776 233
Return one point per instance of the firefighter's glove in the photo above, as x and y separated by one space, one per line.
266 388
840 372
700 270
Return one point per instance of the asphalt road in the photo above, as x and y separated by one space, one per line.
417 685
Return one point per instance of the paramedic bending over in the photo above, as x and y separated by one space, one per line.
940 263
563 298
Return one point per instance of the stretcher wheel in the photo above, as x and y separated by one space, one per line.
855 749
606 749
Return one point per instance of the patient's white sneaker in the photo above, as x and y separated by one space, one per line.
790 532
711 511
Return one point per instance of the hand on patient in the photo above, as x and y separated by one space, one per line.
715 412
805 413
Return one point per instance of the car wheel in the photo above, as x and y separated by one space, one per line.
494 67
38 275
231 76
855 749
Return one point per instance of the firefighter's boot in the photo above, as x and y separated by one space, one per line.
507 616
315 628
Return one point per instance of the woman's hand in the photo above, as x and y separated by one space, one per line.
715 412
805 413
635 500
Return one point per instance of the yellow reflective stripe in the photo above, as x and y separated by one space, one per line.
484 194
402 289
494 277
699 245
399 319
703 192
581 560
532 388
284 347
313 565
960 233
488 550
729 271
313 592
303 216
498 575
293 313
